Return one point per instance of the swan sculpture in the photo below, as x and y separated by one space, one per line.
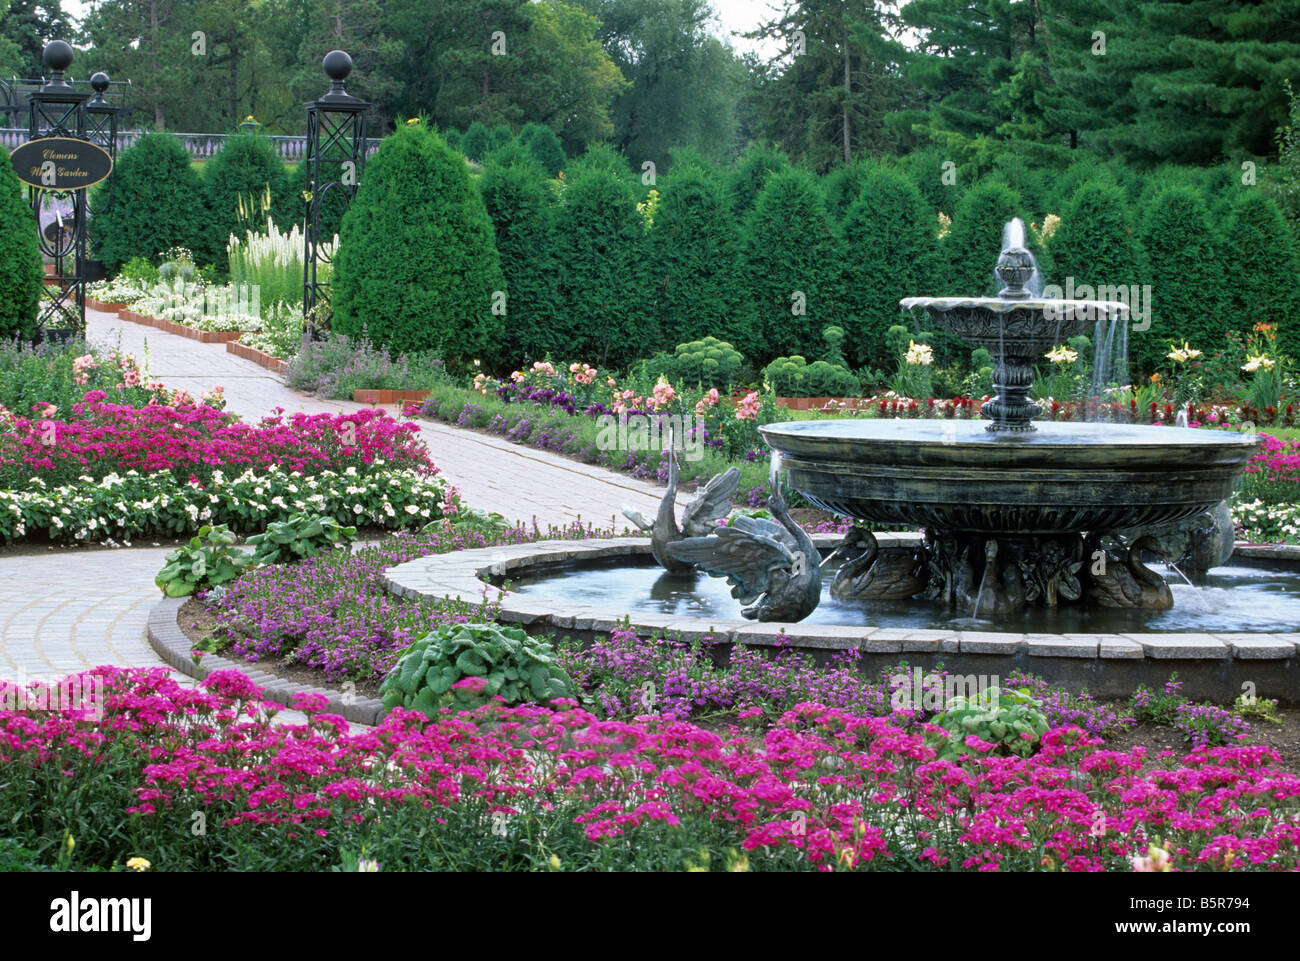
873 574
699 517
1125 581
773 566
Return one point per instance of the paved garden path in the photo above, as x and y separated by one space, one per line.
64 610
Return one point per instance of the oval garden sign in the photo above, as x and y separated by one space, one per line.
61 163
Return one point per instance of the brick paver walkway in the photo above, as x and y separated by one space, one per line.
62 610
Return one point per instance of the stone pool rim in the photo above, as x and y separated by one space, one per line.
1211 664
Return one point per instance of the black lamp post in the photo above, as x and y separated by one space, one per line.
335 157
57 110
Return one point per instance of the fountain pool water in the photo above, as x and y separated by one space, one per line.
1234 598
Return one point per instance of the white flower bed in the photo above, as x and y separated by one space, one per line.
131 505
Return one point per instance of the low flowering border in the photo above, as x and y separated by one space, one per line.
556 788
122 507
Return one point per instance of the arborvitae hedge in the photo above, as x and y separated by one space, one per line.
925 168
971 249
843 185
600 244
1262 270
889 245
247 168
1096 243
694 263
545 147
521 207
790 250
1186 277
749 176
416 267
20 257
154 202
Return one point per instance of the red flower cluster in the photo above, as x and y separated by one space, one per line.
192 441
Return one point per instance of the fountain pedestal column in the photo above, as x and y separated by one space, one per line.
1011 409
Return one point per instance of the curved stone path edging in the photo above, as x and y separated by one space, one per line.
167 638
1211 665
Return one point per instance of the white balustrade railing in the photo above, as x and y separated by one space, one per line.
200 146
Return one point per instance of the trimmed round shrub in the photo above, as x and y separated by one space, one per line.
795 377
416 267
545 147
791 266
20 257
522 213
889 247
1186 277
694 260
154 202
246 182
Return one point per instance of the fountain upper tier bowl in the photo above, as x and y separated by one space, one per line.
1028 326
1063 477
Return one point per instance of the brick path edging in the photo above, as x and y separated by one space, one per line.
170 643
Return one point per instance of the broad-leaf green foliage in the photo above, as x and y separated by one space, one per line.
694 250
210 559
1096 244
1186 278
972 248
1012 720
416 266
1262 270
506 661
791 266
522 212
888 238
600 242
300 535
20 257
154 202
246 183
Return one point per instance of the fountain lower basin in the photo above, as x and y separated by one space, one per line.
1061 478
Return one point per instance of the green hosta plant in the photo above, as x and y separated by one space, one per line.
208 560
1010 719
301 535
464 665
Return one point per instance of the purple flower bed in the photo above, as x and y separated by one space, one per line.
332 613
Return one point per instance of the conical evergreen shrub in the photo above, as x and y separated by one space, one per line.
20 257
416 267
154 202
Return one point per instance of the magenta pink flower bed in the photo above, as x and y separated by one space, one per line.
821 789
195 440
